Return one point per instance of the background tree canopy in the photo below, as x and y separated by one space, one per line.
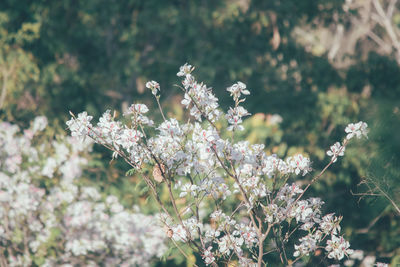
318 64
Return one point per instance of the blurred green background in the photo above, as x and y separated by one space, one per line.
319 64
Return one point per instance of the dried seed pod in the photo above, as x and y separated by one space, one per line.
170 233
157 173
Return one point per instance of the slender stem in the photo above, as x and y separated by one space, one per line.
260 250
387 197
160 108
262 238
3 88
196 212
322 172
240 187
183 252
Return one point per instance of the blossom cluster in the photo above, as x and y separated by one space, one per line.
199 163
359 129
47 219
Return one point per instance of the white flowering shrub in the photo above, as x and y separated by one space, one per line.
228 201
47 219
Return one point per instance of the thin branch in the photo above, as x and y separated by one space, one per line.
160 108
3 88
371 224
184 254
390 9
322 172
388 198
379 41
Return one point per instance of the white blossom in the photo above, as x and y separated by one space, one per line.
299 163
338 247
80 126
185 70
153 86
335 151
208 256
237 90
358 129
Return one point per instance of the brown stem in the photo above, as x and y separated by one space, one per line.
261 240
160 108
184 254
3 88
234 176
321 173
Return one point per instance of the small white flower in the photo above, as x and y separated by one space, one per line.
154 86
299 163
358 129
307 245
179 233
137 108
338 247
80 126
237 89
208 256
188 189
234 118
335 151
185 70
330 224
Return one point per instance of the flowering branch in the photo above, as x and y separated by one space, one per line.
192 160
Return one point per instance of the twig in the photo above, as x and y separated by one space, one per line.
371 224
184 254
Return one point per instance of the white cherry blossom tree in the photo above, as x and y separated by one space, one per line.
240 203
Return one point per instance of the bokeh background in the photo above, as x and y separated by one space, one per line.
312 67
